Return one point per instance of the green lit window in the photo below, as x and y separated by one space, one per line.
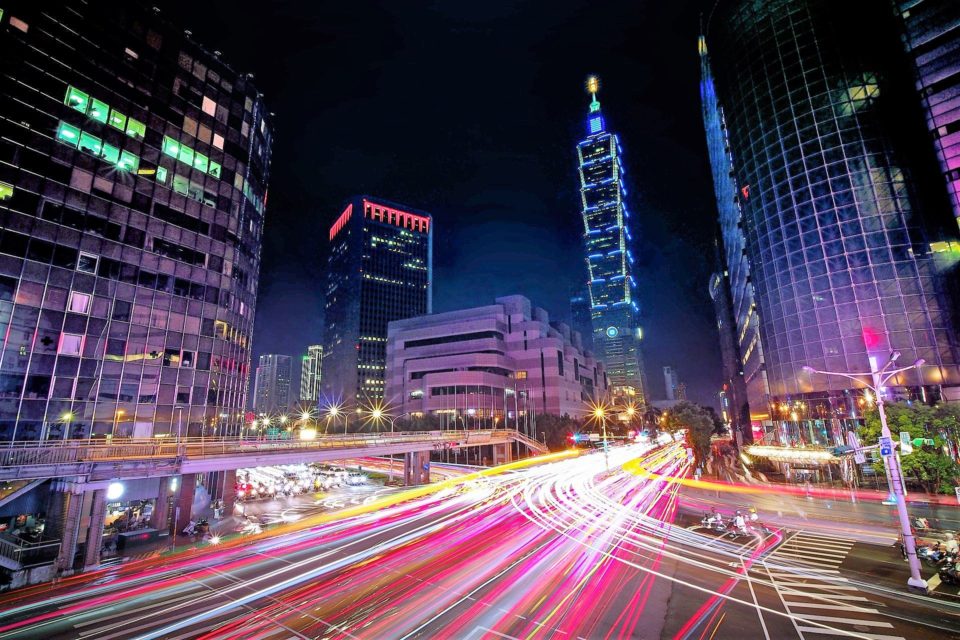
68 134
186 154
180 184
111 154
200 162
117 120
76 99
90 144
161 175
135 128
98 110
214 169
128 162
170 146
6 190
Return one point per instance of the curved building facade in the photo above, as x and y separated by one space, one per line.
841 211
133 176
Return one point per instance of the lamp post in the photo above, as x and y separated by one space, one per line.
179 411
66 418
601 414
116 422
892 461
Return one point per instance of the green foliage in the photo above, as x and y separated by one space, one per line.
927 466
557 430
698 423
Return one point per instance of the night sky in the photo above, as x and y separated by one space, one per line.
471 111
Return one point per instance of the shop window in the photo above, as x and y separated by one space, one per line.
98 110
170 146
87 263
214 169
90 144
128 162
200 162
111 154
79 302
68 134
209 106
117 120
76 99
185 155
71 344
136 129
218 141
161 175
6 191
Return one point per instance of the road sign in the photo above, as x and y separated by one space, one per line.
594 437
905 445
854 443
886 446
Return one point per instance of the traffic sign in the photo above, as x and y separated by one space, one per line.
854 443
905 445
886 446
594 437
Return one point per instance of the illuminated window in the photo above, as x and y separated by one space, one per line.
218 141
214 169
170 146
521 375
161 175
6 191
71 344
128 162
186 154
136 129
98 110
79 302
209 106
111 154
200 162
17 23
90 144
76 99
117 120
180 184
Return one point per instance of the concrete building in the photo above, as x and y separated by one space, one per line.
272 386
380 269
133 181
493 364
671 381
310 375
831 193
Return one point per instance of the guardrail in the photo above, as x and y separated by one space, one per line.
26 554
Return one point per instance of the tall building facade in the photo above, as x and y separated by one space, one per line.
133 179
580 317
271 392
811 107
500 364
310 375
614 307
733 396
380 269
671 381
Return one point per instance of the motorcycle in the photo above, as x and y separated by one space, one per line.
714 522
950 572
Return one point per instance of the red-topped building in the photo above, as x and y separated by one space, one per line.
379 270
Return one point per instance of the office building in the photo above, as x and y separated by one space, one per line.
580 319
380 269
614 307
133 180
672 383
736 410
271 392
841 208
498 364
310 375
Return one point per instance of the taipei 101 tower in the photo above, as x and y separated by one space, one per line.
614 309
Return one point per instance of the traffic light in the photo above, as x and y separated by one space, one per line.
919 442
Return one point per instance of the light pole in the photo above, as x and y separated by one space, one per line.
179 411
116 422
892 461
66 418
601 414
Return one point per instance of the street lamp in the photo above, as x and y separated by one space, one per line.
601 414
891 462
66 418
116 422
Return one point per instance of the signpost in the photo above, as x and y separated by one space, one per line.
886 446
906 446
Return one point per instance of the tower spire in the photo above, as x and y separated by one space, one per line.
593 87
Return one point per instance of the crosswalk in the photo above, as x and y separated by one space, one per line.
805 571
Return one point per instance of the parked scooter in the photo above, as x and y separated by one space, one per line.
950 571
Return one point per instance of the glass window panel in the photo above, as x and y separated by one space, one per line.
98 110
117 120
91 144
200 162
79 302
170 146
76 99
68 134
214 169
70 344
180 184
218 141
136 129
128 162
161 175
186 154
6 191
111 154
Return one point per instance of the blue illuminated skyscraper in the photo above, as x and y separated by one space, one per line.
613 304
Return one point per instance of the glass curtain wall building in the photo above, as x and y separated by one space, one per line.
310 375
613 301
133 180
380 269
841 204
272 384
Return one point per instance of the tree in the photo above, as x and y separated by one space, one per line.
556 430
930 466
698 424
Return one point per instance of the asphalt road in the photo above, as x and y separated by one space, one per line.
556 550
